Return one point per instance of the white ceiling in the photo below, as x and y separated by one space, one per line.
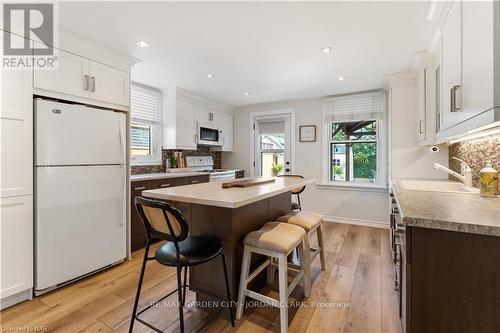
270 49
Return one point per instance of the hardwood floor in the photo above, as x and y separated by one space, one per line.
354 294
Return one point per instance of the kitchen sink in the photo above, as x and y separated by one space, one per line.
436 186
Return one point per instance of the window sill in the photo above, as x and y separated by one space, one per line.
353 187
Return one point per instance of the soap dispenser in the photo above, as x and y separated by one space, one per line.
488 180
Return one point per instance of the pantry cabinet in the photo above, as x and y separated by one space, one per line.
16 185
16 237
16 128
81 77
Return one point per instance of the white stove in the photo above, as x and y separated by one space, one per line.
206 164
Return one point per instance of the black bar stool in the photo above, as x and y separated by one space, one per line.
165 222
296 191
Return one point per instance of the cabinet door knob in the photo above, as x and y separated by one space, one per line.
193 181
165 185
139 188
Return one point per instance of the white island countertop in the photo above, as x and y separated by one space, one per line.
212 193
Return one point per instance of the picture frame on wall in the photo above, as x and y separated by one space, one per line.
307 133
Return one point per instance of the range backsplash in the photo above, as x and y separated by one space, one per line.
201 151
475 152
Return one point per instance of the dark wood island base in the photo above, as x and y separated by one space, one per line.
229 225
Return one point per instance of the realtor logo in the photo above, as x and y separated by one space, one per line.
35 22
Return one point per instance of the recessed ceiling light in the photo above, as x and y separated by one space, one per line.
210 76
246 93
327 49
141 43
341 78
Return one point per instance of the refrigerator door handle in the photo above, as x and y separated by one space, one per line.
121 201
120 137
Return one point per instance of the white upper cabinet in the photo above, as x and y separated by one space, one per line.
70 77
179 121
227 131
109 84
450 67
82 77
469 68
183 111
477 57
86 73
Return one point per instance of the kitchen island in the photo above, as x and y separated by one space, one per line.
228 214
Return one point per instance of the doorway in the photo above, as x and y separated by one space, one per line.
273 134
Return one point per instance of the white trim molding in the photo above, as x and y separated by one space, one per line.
349 220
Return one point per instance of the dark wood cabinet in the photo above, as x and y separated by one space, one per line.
137 231
239 174
450 281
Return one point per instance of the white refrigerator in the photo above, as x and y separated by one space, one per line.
80 191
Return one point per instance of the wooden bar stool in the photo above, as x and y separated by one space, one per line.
165 222
311 223
276 241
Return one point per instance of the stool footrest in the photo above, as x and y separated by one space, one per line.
258 270
262 298
294 282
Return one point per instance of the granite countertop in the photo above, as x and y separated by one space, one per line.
164 175
463 212
212 193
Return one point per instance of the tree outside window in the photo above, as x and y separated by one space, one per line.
353 151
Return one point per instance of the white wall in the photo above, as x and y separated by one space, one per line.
337 204
407 159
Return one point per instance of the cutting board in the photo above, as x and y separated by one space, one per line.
248 182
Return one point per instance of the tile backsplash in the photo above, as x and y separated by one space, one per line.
216 155
475 152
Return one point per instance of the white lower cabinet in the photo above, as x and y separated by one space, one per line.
16 235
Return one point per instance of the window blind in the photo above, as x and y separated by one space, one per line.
145 104
355 107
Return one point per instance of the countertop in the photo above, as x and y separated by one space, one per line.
212 193
163 175
463 212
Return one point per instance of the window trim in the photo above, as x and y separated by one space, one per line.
156 133
381 179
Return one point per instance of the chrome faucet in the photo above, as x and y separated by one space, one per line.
466 172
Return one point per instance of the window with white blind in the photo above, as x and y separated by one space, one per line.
355 140
145 125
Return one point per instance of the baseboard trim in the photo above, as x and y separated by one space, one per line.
16 298
365 223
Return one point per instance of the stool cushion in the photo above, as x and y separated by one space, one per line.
275 236
306 220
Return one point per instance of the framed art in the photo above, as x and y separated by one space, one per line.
307 133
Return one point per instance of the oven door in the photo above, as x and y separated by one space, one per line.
208 135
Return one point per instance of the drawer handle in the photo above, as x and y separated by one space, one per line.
139 188
165 185
194 181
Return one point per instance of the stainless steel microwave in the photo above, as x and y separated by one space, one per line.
208 135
